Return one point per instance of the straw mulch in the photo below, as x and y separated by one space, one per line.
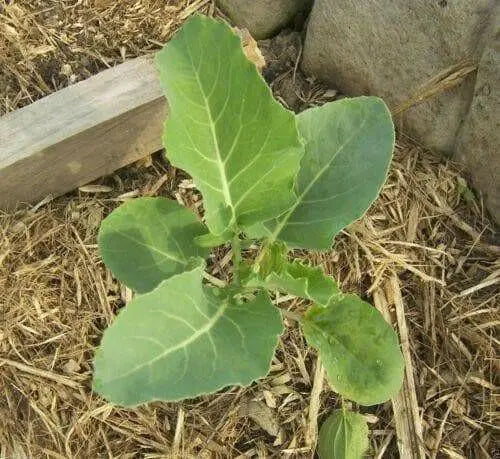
425 255
56 298
46 45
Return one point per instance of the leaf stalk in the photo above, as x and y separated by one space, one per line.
236 248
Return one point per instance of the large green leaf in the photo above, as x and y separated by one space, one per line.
344 435
358 348
299 280
349 146
147 240
184 339
225 129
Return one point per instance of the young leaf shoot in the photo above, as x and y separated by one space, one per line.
344 435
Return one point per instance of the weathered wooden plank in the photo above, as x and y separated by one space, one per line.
80 133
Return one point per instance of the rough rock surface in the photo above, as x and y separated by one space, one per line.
478 145
263 18
389 49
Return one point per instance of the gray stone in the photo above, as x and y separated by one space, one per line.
390 48
478 145
263 18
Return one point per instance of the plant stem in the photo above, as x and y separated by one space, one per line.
260 256
236 247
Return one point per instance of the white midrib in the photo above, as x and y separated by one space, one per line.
183 344
153 248
220 163
285 219
344 422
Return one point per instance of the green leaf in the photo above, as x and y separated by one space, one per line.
274 259
147 240
349 146
259 230
184 339
358 348
225 129
213 240
344 435
299 280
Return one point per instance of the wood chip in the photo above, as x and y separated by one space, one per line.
95 189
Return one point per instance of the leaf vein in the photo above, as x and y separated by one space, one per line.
150 247
181 345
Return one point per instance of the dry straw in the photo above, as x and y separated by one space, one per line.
434 281
424 254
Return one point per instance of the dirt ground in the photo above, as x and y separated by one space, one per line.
424 254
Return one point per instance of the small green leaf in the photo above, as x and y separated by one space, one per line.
358 348
349 146
464 191
344 435
274 259
213 240
225 128
147 240
299 280
184 339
